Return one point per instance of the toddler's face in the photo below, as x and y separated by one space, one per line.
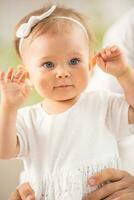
58 63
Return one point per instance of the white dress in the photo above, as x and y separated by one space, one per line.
61 151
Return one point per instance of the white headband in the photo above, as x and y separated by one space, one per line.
25 29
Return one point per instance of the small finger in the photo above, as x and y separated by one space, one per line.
108 52
97 54
2 76
114 48
103 54
9 74
17 76
20 67
100 62
115 51
22 78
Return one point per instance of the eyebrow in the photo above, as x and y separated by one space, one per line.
45 57
50 57
76 53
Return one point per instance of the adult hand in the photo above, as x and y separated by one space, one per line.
120 185
23 192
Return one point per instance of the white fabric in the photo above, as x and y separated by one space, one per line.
25 29
121 34
61 151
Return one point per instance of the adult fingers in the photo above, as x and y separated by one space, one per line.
128 183
30 198
128 196
109 174
15 196
119 194
107 190
26 192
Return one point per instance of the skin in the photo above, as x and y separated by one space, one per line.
60 50
62 85
121 186
24 192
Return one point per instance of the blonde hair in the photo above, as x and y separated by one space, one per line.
52 22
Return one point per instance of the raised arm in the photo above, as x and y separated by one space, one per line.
127 83
13 94
111 61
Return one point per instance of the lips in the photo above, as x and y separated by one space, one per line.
63 85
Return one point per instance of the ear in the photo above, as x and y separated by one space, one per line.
92 62
89 66
23 68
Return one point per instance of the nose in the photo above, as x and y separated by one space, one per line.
62 72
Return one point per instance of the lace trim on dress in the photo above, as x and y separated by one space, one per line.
70 184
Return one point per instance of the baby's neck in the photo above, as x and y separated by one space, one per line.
56 107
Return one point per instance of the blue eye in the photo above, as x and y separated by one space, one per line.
74 61
48 65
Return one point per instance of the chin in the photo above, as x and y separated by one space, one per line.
65 97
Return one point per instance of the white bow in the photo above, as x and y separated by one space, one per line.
25 28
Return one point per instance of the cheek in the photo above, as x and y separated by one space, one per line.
42 82
38 77
82 78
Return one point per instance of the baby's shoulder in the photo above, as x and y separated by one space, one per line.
97 95
29 111
101 99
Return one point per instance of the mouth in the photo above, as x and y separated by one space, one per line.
63 86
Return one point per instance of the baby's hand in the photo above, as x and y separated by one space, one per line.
111 61
13 88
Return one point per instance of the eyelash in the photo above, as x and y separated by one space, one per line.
75 60
50 68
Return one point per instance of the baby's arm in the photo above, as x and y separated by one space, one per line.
13 95
111 61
